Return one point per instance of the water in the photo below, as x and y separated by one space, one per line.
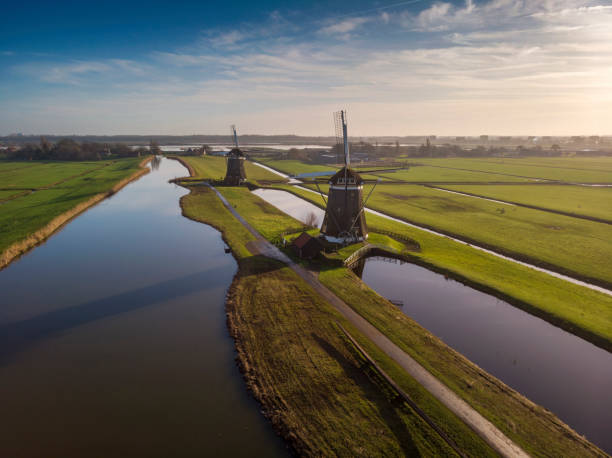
113 340
299 209
553 368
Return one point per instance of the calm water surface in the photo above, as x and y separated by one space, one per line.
113 339
553 368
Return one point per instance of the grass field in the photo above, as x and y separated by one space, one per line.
16 175
214 167
578 200
570 245
24 215
425 174
534 170
292 167
538 431
577 309
583 163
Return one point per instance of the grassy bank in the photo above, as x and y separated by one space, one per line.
531 426
313 386
579 310
60 192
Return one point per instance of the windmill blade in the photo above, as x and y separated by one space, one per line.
363 206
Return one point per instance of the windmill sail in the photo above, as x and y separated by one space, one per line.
344 220
235 174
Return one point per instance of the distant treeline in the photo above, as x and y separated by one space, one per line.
171 139
368 151
70 150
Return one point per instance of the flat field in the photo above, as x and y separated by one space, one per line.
569 171
293 167
214 167
577 200
33 175
427 174
74 183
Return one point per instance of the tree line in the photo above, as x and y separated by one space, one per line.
69 150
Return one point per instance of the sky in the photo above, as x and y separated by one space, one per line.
416 67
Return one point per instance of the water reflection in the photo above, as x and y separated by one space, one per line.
303 211
554 368
113 338
155 162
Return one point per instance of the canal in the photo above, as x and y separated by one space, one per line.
564 373
556 369
113 339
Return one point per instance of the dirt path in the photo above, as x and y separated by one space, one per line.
484 428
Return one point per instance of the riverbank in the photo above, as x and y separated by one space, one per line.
263 323
38 236
582 311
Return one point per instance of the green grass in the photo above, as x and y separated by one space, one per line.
425 174
269 220
40 174
579 310
578 200
584 163
532 170
303 370
293 167
22 216
214 167
270 313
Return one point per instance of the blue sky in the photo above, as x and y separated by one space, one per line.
464 67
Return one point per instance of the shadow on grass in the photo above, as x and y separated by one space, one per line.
258 264
376 396
16 337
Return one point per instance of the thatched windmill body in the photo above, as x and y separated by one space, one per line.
235 174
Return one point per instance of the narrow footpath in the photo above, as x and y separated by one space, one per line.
483 427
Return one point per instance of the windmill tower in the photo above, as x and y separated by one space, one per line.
344 213
235 174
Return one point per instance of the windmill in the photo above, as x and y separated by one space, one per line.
344 220
235 174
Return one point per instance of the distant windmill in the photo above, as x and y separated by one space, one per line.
344 220
235 174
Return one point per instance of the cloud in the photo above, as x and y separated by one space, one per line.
475 65
345 26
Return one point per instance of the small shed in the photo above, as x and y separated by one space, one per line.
306 246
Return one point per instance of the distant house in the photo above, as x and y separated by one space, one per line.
306 246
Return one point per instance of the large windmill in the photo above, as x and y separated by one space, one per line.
344 220
235 174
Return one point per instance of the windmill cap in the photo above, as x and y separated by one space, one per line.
236 152
349 174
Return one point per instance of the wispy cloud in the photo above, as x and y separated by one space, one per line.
479 66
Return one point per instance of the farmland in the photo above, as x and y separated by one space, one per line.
213 168
568 172
577 200
46 191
